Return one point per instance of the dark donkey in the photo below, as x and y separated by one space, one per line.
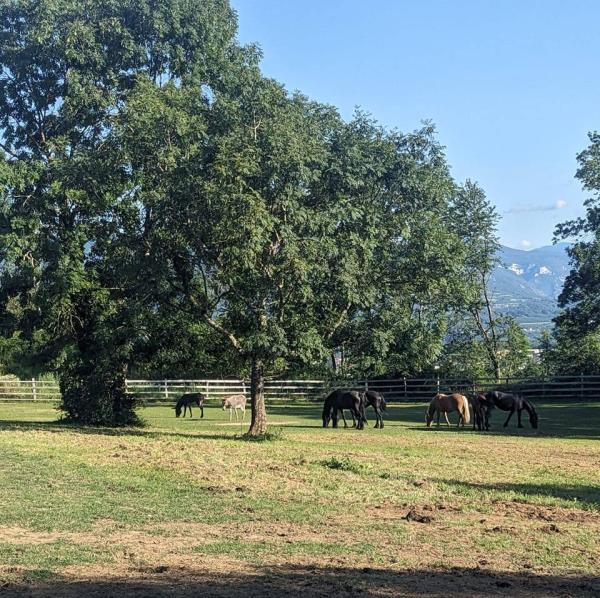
343 399
187 400
513 402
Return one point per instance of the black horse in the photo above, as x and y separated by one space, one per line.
338 400
376 400
513 402
187 400
482 408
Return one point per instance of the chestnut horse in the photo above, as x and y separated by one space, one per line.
442 403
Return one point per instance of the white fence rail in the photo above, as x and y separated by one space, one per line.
404 389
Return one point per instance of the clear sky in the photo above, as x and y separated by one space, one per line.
512 86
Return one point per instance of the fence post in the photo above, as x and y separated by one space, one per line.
33 389
166 390
438 383
366 385
581 385
405 393
206 390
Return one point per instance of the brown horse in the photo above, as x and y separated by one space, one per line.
442 403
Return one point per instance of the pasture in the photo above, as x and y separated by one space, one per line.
183 507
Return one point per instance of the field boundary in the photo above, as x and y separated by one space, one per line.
402 389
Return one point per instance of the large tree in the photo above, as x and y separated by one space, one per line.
578 326
153 176
475 220
68 70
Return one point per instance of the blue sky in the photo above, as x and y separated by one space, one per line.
512 87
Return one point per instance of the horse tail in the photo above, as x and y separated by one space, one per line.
383 403
328 408
465 410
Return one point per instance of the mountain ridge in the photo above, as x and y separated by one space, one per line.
526 284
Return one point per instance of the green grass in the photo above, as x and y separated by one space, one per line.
85 497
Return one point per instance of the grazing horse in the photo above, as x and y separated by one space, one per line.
338 400
233 403
513 402
442 403
369 398
187 400
376 400
482 408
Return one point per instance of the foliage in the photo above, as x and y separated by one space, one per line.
345 464
164 204
578 326
69 73
475 220
465 355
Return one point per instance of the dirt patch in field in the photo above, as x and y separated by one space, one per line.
21 535
544 513
223 578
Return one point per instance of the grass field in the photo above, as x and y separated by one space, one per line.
184 508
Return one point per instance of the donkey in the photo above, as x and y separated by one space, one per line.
187 400
233 403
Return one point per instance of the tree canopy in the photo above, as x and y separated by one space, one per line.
578 326
161 197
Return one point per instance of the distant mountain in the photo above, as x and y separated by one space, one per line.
526 284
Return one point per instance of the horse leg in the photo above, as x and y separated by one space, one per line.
438 417
344 418
360 425
519 411
508 418
334 417
447 420
201 411
243 413
230 413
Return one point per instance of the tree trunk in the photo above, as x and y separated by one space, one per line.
257 399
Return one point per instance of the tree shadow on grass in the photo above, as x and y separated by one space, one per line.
59 427
584 497
309 582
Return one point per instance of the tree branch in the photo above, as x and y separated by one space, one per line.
339 321
224 332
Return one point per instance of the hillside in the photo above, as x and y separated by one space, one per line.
527 283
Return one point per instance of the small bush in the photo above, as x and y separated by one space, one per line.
344 464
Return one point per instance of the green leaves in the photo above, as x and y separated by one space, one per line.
578 326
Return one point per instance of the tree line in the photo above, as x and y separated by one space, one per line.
165 208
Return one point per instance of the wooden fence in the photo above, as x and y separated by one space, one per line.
404 389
